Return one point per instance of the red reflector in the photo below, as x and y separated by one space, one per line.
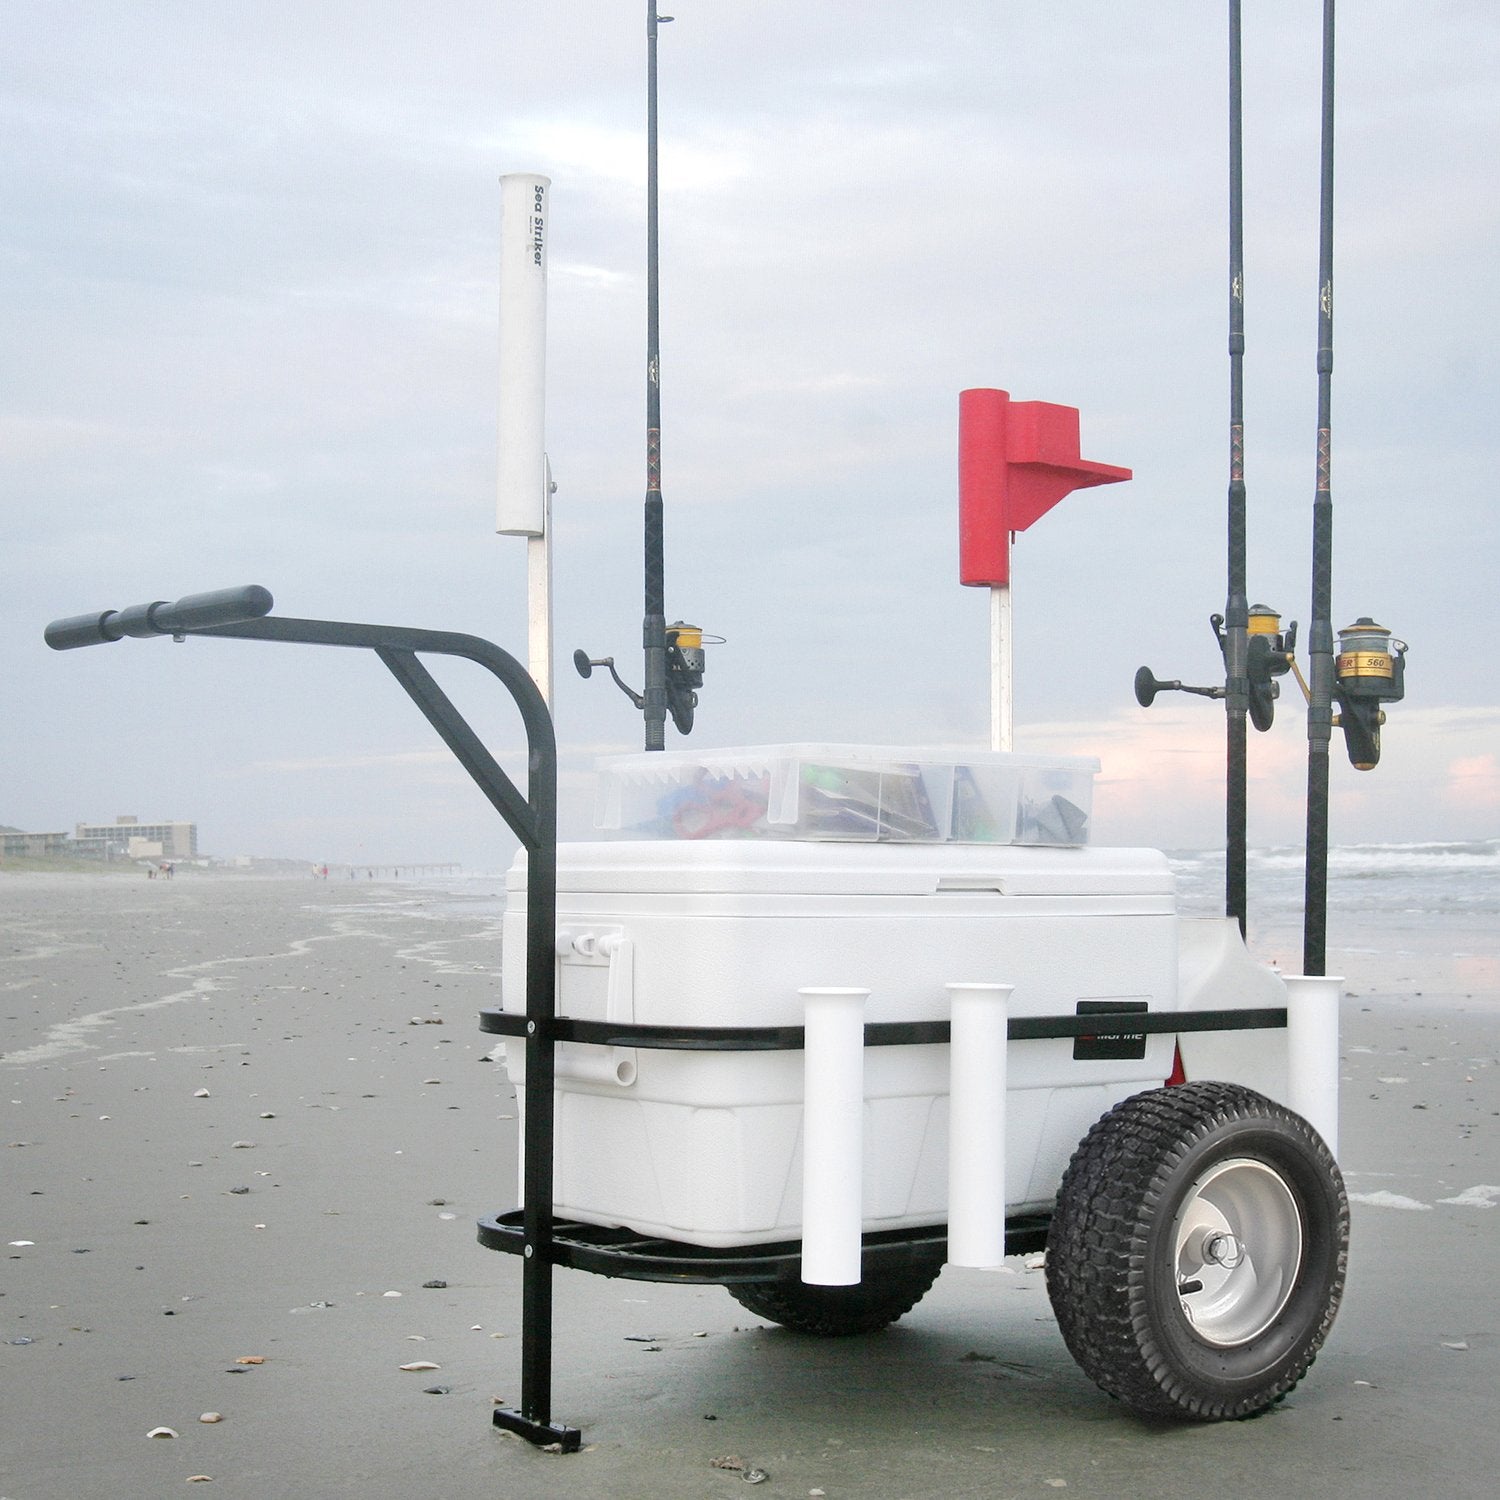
1179 1073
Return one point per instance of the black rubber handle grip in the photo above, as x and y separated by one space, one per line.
194 612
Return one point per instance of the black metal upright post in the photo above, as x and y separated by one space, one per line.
537 1138
1237 605
654 625
1320 643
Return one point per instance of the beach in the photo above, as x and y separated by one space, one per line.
250 1123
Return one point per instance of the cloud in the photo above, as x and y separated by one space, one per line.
1473 784
1162 777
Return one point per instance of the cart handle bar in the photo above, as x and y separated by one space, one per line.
194 612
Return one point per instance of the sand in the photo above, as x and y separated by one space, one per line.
225 1139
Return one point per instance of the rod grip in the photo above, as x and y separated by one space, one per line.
218 607
192 612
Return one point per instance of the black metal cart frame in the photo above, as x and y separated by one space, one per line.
532 1232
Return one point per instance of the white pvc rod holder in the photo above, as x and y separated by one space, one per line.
522 477
976 1123
1312 1041
833 1109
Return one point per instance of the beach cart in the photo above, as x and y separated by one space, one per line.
832 1017
829 1018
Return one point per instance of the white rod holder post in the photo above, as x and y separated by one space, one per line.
833 1110
539 654
1002 669
1312 1040
524 480
976 1123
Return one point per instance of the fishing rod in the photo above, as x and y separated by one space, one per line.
1320 628
1254 651
1235 631
674 659
1368 666
654 626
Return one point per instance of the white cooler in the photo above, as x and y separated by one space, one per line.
706 1147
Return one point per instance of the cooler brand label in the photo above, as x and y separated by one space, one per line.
1129 1045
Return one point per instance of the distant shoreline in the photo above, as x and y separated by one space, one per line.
257 869
20 870
42 864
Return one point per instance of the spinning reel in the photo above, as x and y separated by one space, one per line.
1370 669
685 662
1268 656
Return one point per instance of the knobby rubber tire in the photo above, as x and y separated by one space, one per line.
1112 1251
836 1311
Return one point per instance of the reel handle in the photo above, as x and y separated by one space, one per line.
585 664
1148 685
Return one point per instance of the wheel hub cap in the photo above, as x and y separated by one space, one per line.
1237 1246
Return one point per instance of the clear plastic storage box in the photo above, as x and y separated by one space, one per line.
849 793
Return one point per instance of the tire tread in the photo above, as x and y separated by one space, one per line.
838 1311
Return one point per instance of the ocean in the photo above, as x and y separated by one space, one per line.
1397 881
1424 918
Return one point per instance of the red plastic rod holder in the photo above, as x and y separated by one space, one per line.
1016 460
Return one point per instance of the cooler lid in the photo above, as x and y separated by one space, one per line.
784 867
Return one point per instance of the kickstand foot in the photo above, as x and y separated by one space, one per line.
539 1434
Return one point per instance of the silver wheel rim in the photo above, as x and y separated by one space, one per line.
1237 1250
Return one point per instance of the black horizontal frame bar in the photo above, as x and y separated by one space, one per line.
884 1033
640 1257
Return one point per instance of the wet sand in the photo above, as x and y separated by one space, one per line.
225 1139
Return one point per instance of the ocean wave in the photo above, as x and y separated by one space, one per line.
1381 861
1473 854
1434 878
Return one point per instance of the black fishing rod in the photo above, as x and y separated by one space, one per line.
654 625
1320 632
1367 668
1254 651
673 653
1236 629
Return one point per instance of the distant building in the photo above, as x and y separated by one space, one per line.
128 838
17 845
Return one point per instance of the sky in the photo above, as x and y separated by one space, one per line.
249 312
